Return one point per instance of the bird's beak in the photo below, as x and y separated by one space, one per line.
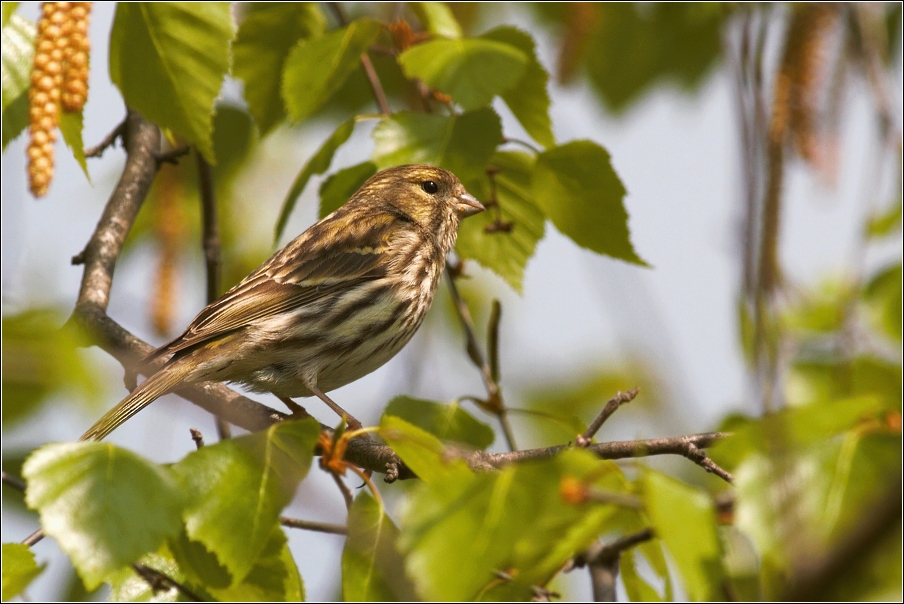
468 205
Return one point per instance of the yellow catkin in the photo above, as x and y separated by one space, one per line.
59 78
75 70
44 96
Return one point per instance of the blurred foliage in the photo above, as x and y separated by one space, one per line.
562 410
40 360
807 476
19 569
675 43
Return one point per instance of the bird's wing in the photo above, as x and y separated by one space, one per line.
332 256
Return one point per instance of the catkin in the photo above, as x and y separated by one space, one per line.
75 72
59 76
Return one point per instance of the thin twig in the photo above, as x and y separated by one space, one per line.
172 156
197 437
210 243
210 240
14 482
108 141
607 551
523 143
369 70
159 580
343 488
494 402
699 457
33 538
311 525
611 407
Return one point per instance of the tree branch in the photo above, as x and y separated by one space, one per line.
210 243
310 525
611 407
159 580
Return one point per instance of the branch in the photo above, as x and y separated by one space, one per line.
210 243
108 141
158 580
14 481
611 407
99 259
369 70
310 525
494 403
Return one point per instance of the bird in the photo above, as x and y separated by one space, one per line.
330 307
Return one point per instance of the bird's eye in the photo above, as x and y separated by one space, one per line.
429 187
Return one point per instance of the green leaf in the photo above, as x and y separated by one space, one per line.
372 568
462 144
337 188
685 519
237 488
39 359
8 9
437 18
883 300
317 68
274 578
472 71
233 140
105 506
480 237
169 60
317 164
71 127
514 520
886 222
528 99
267 33
423 453
18 38
446 422
127 586
580 192
19 566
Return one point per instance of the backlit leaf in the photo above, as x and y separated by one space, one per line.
267 33
446 422
316 68
237 488
471 70
462 144
105 506
372 568
504 237
169 60
577 188
19 568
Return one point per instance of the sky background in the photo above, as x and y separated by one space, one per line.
678 157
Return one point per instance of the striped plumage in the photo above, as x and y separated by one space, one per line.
333 305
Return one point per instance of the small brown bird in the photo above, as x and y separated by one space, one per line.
333 305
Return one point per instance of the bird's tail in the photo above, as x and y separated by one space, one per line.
155 386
